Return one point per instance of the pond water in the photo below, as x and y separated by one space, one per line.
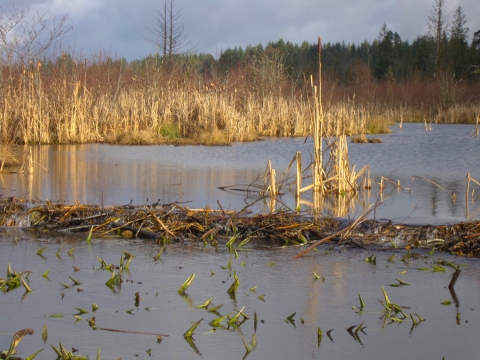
105 174
108 174
288 286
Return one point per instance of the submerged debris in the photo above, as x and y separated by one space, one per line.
173 222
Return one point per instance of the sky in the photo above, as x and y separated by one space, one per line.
121 27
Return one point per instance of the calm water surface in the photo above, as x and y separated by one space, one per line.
288 285
107 174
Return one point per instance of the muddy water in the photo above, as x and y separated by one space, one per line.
106 174
288 285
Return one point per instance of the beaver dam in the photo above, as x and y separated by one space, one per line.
221 284
164 223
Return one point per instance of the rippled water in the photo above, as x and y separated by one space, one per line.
108 174
117 174
288 285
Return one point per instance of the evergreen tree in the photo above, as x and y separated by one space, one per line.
437 26
458 43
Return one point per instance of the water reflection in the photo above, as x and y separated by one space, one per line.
106 174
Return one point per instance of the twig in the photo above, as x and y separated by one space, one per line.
132 332
345 230
160 222
455 276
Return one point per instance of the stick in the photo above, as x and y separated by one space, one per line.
455 276
160 222
132 332
348 228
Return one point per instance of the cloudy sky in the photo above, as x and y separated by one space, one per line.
121 26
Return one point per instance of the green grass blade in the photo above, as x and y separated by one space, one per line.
31 357
189 332
234 319
27 288
247 347
186 284
89 237
387 300
205 304
402 282
75 282
236 283
216 322
44 333
362 304
215 308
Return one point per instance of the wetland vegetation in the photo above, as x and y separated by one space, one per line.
228 283
50 96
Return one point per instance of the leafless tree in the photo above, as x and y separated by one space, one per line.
169 39
437 24
25 37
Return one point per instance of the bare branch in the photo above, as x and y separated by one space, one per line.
169 39
24 38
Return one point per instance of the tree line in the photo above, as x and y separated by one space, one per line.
388 57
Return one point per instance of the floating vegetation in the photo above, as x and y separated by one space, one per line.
290 319
205 304
234 319
188 334
159 254
81 311
217 321
44 333
75 282
372 259
63 354
186 284
392 258
56 316
27 288
71 251
329 332
17 337
362 304
236 283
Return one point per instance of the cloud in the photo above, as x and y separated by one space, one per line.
212 25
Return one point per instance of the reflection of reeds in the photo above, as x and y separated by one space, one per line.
476 131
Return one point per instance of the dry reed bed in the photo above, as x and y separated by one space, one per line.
172 222
64 102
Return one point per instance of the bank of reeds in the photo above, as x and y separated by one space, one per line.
67 101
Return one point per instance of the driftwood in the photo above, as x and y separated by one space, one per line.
286 227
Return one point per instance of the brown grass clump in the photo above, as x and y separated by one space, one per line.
361 139
216 137
142 137
10 155
64 100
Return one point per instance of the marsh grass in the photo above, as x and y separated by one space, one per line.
64 100
10 155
